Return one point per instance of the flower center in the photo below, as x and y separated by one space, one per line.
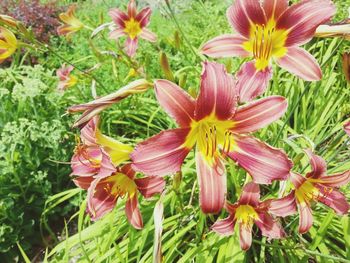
246 215
307 192
119 184
132 28
265 42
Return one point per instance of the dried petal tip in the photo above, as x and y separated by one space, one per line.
346 66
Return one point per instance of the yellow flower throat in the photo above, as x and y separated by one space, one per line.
132 28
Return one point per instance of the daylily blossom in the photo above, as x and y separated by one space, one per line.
71 23
67 80
96 155
249 210
347 128
315 187
133 25
269 30
8 43
216 127
93 108
104 192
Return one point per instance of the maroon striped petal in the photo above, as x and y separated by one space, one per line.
301 63
335 200
250 195
212 184
151 185
263 162
175 101
269 227
133 213
297 179
302 19
245 236
284 206
132 8
131 46
118 17
335 180
305 218
259 114
274 8
83 182
251 82
162 154
228 45
144 16
217 93
148 35
225 226
243 13
318 165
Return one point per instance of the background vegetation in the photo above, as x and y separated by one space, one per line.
42 213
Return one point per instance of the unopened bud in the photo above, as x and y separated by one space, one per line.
177 40
177 180
346 66
164 63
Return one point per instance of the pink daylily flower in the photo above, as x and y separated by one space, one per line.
66 80
267 30
104 192
96 156
315 187
347 128
216 127
132 24
249 210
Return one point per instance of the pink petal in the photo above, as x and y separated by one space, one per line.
128 171
107 168
336 180
225 46
83 182
217 93
259 114
284 206
212 184
305 218
269 227
274 8
82 166
131 46
133 212
318 165
132 8
176 102
148 35
301 63
347 128
225 226
245 236
250 195
263 162
118 17
100 201
243 13
335 200
251 83
117 33
297 179
144 16
303 18
88 132
162 154
151 185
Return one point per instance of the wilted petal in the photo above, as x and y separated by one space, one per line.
302 19
162 154
133 212
335 200
301 63
131 46
251 82
148 35
263 162
274 8
118 17
245 236
243 13
305 218
283 206
212 184
250 195
225 46
225 226
259 114
318 165
217 93
151 185
176 102
269 227
336 180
